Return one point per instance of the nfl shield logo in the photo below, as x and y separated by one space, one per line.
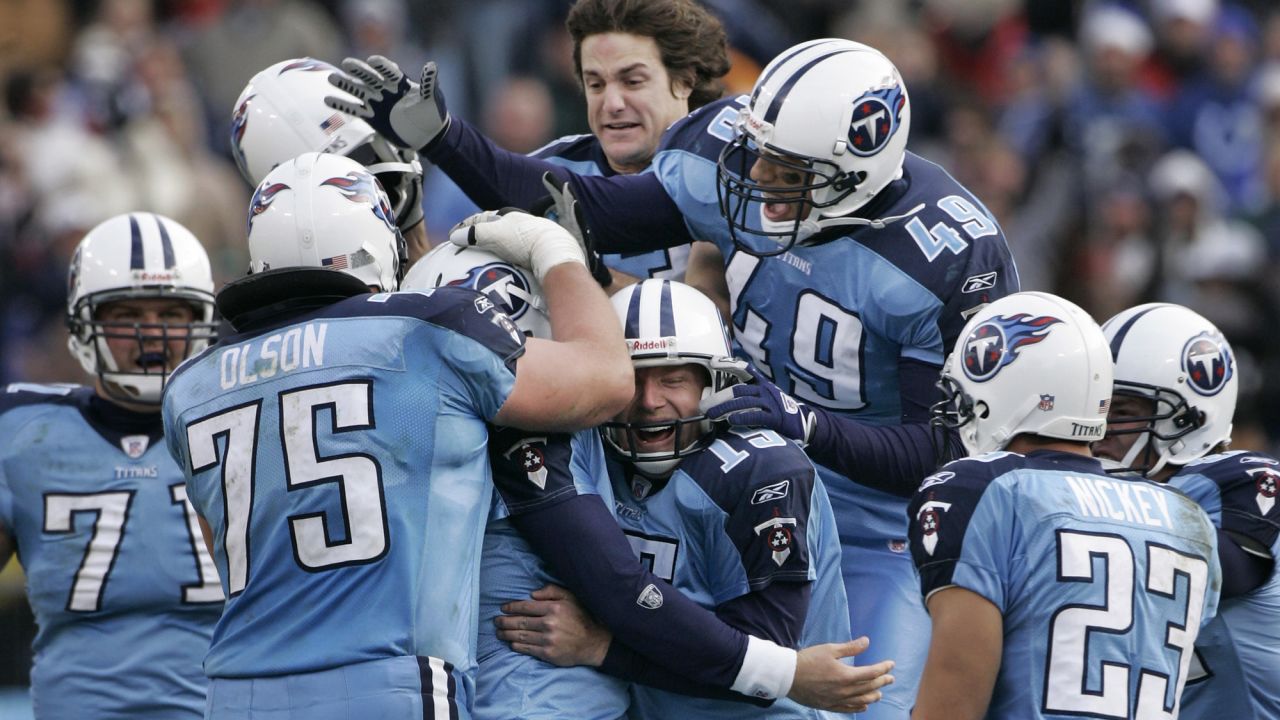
1046 403
135 445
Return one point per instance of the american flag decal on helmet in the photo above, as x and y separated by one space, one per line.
332 124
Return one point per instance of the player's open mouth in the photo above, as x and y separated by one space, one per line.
779 211
656 435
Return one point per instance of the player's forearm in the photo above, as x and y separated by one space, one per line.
628 213
597 564
493 178
890 458
626 664
583 319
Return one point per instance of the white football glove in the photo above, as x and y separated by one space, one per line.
409 114
519 238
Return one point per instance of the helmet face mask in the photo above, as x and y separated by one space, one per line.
126 259
833 109
669 325
690 435
743 201
327 211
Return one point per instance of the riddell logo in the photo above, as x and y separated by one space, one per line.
144 276
643 345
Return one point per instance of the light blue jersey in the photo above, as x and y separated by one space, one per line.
340 458
1103 583
583 155
830 324
1238 490
123 591
510 684
745 513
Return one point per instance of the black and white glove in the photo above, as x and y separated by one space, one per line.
409 114
569 215
520 239
760 403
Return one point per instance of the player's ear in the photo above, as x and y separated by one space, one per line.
681 88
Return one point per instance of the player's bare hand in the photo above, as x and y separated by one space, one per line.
552 626
823 681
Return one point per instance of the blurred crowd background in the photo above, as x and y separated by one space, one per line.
1131 151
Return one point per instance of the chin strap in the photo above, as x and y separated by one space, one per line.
1143 445
878 223
809 227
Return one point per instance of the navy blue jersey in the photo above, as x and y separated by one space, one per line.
123 590
340 457
1238 490
739 516
1103 583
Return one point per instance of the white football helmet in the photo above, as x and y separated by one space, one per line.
326 211
670 323
834 111
281 114
1031 363
137 256
1177 359
513 289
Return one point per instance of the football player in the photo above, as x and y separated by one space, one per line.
554 498
336 447
280 114
124 592
1175 395
642 65
851 264
1055 590
735 518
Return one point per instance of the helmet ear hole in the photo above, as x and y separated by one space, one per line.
981 410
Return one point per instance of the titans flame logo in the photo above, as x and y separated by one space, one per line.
308 64
502 284
362 188
239 121
996 342
262 198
